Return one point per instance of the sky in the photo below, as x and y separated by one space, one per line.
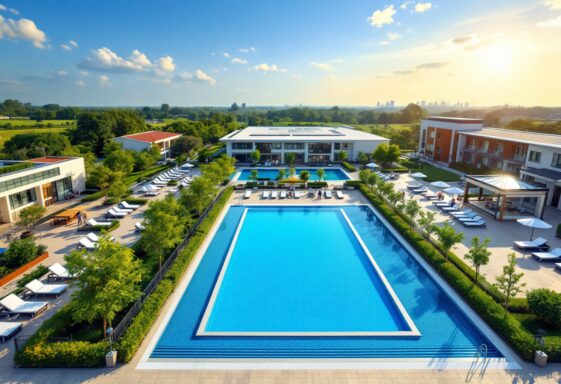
289 52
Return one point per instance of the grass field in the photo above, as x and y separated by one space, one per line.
433 173
6 134
33 123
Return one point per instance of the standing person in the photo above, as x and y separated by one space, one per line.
79 217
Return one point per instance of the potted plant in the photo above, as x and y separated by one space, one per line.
28 218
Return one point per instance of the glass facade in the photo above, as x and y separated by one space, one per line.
243 146
17 182
23 198
319 148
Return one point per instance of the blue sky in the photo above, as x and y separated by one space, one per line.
275 53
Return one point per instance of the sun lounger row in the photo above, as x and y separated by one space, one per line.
468 218
297 194
89 242
117 213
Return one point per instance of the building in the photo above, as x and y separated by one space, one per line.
534 157
144 140
309 144
42 181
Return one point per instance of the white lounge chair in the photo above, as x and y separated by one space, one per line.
38 288
247 194
151 193
339 194
327 194
95 223
468 219
274 195
59 272
117 209
539 244
13 304
465 212
126 205
8 329
93 237
553 255
265 195
475 224
453 208
297 194
139 227
282 195
112 213
85 243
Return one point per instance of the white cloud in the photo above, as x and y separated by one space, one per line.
80 83
140 59
405 5
326 67
422 7
22 29
552 23
85 73
553 4
382 17
104 81
247 50
73 43
237 60
264 67
185 76
226 55
203 77
385 43
3 8
393 36
62 73
69 46
65 47
165 65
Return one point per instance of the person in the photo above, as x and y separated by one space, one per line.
319 194
84 217
79 217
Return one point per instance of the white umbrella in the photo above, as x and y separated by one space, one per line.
534 222
188 165
440 184
372 165
454 191
418 175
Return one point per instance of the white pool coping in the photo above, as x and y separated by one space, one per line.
510 360
239 172
201 331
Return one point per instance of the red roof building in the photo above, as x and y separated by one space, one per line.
144 140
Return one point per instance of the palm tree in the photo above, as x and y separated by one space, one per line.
282 174
320 173
253 174
305 176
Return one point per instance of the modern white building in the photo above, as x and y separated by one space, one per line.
309 144
42 181
144 140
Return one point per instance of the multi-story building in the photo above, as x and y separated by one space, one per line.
535 157
144 140
309 144
42 181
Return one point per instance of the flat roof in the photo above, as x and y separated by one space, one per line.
523 137
297 133
505 183
51 159
457 120
543 172
151 136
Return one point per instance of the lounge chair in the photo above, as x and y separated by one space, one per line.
59 272
37 288
274 195
539 244
265 195
139 227
339 194
95 238
118 215
475 224
420 190
441 204
85 243
553 255
126 205
14 305
466 219
453 208
297 194
117 209
8 329
151 193
465 212
327 194
95 223
414 186
247 194
282 195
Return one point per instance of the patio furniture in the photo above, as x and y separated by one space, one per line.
339 194
95 223
35 287
282 195
297 194
478 224
265 195
9 329
14 305
327 194
553 255
539 244
85 243
466 219
126 205
557 266
274 195
59 272
247 195
65 217
139 227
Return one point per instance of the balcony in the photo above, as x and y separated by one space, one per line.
494 155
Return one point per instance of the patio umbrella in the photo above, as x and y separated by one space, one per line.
534 222
440 184
372 165
418 175
454 191
188 165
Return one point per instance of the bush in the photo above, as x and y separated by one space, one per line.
114 225
172 183
348 166
36 274
317 184
20 252
15 167
546 305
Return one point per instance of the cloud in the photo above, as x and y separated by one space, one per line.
552 4
69 46
552 23
264 67
247 50
3 8
326 67
468 42
381 17
22 29
422 7
433 65
385 43
104 81
237 60
165 65
185 76
85 73
80 83
393 36
405 5
226 55
140 59
203 77
401 73
62 73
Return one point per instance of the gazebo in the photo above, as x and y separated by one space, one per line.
505 197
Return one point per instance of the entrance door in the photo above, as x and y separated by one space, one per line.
556 196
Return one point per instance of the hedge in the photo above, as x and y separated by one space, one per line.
503 322
317 184
15 167
40 353
348 166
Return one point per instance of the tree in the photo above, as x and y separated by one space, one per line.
342 156
219 169
364 174
478 254
426 222
186 145
394 196
282 174
29 216
290 159
320 173
120 161
255 156
291 171
108 281
20 252
372 180
198 195
412 209
253 174
28 145
103 177
448 237
93 129
164 227
305 176
142 161
546 305
362 158
117 190
386 154
508 283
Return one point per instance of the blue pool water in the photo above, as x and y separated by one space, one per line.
331 174
317 280
445 331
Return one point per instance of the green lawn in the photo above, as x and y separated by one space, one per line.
31 123
6 134
433 173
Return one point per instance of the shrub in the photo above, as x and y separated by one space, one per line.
348 166
37 273
546 305
172 183
19 253
317 184
15 167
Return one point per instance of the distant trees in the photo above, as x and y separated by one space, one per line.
186 145
29 145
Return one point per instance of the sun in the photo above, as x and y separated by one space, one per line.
498 59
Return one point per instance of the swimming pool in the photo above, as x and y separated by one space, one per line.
331 174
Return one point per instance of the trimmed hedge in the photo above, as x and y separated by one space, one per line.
135 334
503 322
348 166
317 184
15 167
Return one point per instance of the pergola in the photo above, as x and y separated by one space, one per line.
506 197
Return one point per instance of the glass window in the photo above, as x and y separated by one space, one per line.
243 146
535 156
319 148
556 162
276 146
23 198
25 180
294 146
337 146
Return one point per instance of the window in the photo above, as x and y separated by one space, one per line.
438 135
294 146
23 198
486 146
485 161
535 156
276 146
242 146
520 153
264 147
319 148
29 179
556 162
500 148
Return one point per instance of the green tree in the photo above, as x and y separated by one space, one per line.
19 252
305 176
29 216
386 154
372 180
282 174
290 159
120 161
426 222
187 145
364 174
253 174
198 195
155 153
291 171
478 254
508 283
255 156
93 129
342 156
394 197
412 209
117 190
545 304
103 177
142 161
108 281
363 158
219 170
320 173
448 237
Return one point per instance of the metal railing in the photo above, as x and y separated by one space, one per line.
126 321
20 341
